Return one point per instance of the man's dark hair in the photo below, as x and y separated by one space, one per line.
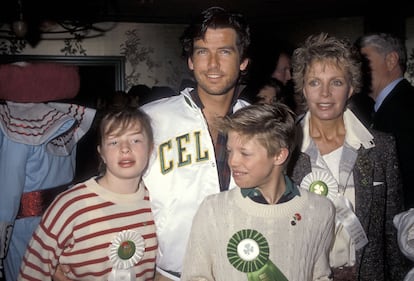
216 17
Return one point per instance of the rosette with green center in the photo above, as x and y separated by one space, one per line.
321 183
248 250
126 249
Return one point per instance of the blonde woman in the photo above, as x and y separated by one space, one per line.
353 166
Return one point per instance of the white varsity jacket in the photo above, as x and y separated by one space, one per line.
181 172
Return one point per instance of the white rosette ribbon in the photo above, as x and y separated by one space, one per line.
321 183
324 184
126 249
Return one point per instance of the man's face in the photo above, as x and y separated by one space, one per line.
378 68
216 62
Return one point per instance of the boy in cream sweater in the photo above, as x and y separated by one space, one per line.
268 228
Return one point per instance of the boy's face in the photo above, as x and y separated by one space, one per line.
250 163
126 154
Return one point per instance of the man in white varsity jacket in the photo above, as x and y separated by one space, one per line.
189 155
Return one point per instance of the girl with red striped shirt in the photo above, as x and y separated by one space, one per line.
103 228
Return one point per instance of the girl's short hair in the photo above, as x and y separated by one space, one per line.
119 114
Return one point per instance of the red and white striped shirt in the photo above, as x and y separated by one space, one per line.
77 230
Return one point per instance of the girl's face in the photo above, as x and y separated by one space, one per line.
326 89
126 154
249 161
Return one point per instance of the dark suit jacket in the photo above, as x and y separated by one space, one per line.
395 116
378 196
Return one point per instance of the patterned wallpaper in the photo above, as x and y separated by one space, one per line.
152 51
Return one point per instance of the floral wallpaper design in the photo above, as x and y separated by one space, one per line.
410 67
12 46
154 65
152 51
73 47
135 54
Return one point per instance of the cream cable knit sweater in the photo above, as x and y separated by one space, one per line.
299 234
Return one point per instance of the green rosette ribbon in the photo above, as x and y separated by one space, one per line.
248 251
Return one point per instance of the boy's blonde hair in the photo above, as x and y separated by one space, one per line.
273 125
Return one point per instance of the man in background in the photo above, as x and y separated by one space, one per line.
394 99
